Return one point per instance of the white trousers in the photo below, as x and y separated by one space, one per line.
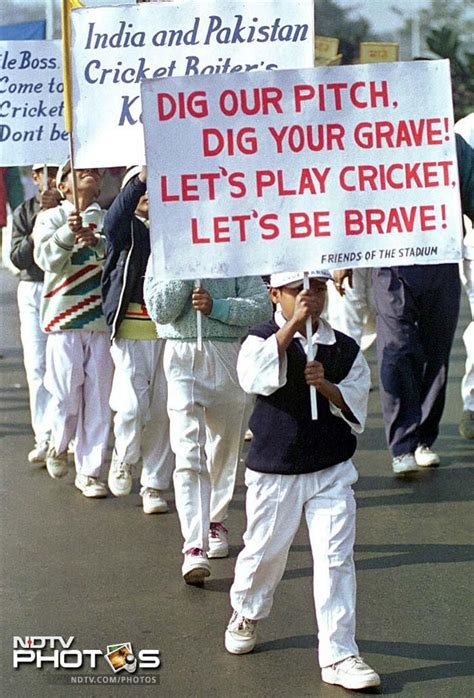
208 413
138 397
33 340
79 377
354 313
467 385
274 505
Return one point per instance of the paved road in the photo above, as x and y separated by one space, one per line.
104 573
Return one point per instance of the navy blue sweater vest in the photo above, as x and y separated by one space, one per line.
286 440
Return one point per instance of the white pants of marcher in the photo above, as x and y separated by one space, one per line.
138 397
79 377
354 313
274 505
33 340
208 413
467 385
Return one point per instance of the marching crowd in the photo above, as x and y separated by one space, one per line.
101 336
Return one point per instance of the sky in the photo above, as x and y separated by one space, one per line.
379 13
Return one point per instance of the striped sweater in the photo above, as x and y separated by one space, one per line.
71 293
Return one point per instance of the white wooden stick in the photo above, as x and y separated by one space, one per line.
197 284
310 353
45 177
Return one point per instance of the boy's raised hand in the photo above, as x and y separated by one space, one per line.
305 305
74 221
84 236
314 373
201 300
50 198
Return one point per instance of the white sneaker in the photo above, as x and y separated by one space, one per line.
196 566
248 435
352 673
241 634
90 486
153 502
404 464
425 457
38 454
120 477
56 463
218 541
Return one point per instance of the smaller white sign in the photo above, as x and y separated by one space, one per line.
31 103
115 48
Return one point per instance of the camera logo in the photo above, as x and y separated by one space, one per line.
121 657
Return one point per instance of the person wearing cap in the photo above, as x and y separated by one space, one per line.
70 249
29 291
296 464
139 389
207 408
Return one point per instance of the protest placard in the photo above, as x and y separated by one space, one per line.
114 48
31 103
327 167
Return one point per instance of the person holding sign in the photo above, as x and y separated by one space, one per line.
30 288
207 408
296 465
138 396
70 248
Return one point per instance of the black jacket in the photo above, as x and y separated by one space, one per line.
128 250
21 251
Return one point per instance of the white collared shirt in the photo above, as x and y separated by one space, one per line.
262 372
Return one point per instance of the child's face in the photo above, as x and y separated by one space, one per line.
89 182
142 207
286 296
38 178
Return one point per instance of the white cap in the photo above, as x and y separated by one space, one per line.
64 170
131 172
295 278
39 166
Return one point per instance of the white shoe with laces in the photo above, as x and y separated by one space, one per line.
90 487
404 464
218 541
352 673
56 464
425 457
120 477
241 634
196 566
153 501
38 454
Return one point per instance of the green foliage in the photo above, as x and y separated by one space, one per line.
447 27
445 42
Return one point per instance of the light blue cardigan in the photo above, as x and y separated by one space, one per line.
238 303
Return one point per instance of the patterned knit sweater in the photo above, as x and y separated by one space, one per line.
71 294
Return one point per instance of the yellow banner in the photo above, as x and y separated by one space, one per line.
378 52
325 47
66 7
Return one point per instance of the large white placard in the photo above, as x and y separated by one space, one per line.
31 103
114 48
326 167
